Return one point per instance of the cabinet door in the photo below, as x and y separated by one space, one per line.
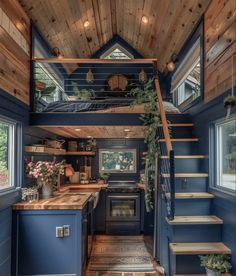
40 252
100 214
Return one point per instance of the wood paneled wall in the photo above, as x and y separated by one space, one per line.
14 50
220 48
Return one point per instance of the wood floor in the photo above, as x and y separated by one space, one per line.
132 241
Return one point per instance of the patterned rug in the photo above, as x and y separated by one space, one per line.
120 253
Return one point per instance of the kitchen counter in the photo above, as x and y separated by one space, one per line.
69 197
61 201
83 187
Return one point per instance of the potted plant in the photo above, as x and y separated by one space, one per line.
215 264
229 102
104 177
46 174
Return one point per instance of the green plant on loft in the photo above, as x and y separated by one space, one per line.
46 92
82 94
151 120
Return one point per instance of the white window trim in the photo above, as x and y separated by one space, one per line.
218 156
11 155
115 46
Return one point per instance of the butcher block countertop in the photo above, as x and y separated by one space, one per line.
65 201
69 197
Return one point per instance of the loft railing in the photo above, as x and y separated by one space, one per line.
167 158
59 80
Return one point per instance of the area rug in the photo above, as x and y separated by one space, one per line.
120 253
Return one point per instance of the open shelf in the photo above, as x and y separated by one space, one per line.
86 153
44 150
51 151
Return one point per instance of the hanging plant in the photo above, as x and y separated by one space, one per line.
229 102
151 120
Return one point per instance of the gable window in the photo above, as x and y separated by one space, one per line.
186 81
117 52
226 154
7 153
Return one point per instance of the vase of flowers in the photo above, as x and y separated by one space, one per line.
46 174
215 264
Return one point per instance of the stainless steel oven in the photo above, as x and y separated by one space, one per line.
123 207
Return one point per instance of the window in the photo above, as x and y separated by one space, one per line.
226 154
117 52
186 82
117 161
7 153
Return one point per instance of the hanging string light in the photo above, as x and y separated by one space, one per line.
142 76
89 76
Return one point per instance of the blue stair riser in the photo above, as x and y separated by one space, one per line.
196 233
192 207
191 184
184 148
186 264
189 165
180 132
178 118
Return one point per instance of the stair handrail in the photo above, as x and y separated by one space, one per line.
169 194
163 118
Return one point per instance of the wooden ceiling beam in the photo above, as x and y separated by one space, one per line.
95 60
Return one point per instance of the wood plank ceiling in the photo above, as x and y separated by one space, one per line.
169 23
97 131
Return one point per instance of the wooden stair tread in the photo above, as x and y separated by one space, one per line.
181 140
185 220
192 195
199 248
180 124
186 175
185 156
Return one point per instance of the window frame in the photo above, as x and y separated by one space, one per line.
214 154
116 46
197 34
12 158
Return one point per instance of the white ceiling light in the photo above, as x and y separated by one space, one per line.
86 24
126 130
144 19
77 129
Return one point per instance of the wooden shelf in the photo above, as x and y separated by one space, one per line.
44 150
51 151
85 153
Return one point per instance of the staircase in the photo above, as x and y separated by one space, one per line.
188 229
193 230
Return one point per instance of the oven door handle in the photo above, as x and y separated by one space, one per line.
116 196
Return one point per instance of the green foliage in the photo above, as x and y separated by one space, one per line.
83 94
104 176
118 161
218 262
230 100
151 120
3 152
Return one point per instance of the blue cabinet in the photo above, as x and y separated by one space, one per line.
37 249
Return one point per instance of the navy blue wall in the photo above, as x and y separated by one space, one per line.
16 110
224 204
137 144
